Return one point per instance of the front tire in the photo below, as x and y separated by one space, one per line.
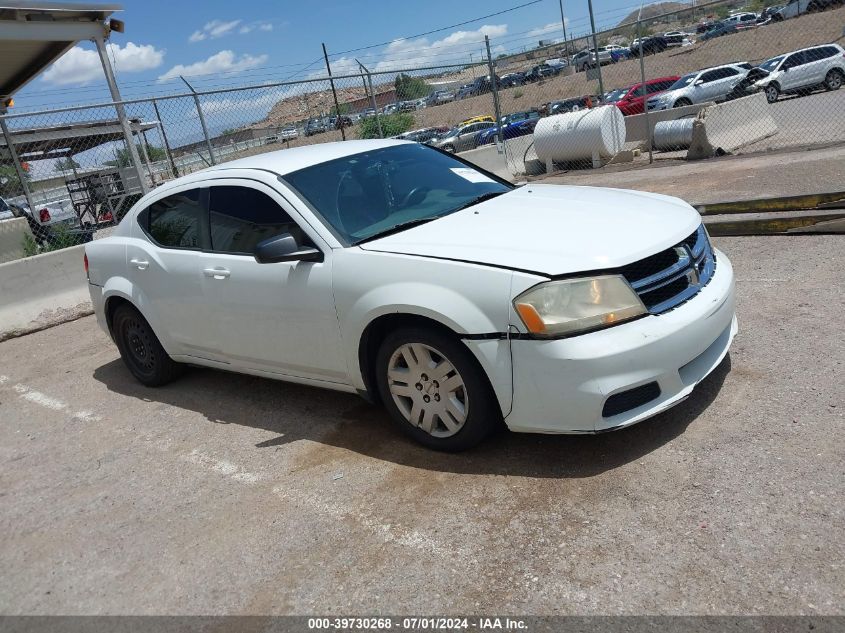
449 148
772 93
435 390
833 80
680 103
141 350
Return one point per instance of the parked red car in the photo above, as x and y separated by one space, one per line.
630 100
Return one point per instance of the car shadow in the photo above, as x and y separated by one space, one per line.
295 412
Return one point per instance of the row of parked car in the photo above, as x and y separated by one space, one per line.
799 71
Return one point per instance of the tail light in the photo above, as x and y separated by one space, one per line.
44 216
85 263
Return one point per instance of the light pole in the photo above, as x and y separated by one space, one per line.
595 46
563 24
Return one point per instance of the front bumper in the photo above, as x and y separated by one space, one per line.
562 386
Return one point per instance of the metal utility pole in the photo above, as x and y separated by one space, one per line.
563 24
164 138
10 145
595 46
494 84
208 144
121 112
642 78
334 93
372 97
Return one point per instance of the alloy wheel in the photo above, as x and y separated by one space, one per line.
427 389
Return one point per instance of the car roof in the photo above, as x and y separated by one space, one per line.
286 161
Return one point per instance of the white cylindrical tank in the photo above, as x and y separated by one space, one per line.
673 135
581 135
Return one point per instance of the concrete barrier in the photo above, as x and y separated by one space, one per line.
12 233
39 291
488 157
726 127
635 125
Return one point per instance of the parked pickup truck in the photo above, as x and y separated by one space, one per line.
46 219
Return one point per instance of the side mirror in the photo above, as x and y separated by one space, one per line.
283 248
698 82
785 68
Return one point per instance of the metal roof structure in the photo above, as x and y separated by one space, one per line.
66 140
35 34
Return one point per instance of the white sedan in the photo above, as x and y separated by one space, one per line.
413 278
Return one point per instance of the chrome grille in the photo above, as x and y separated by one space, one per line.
669 278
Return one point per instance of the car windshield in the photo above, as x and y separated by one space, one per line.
3 205
770 64
616 95
684 81
362 196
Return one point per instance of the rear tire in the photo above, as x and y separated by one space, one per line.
772 93
141 350
435 390
833 80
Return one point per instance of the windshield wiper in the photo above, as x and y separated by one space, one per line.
478 199
397 227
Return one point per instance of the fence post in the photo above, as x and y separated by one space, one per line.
211 155
164 138
642 78
16 160
596 47
494 83
372 95
563 24
121 113
334 94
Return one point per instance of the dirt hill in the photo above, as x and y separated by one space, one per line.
652 10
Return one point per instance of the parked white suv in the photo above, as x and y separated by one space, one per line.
413 278
804 70
710 84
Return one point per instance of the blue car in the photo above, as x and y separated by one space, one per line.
513 125
718 30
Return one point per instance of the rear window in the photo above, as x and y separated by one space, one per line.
174 221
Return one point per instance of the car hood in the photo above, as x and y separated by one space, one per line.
551 230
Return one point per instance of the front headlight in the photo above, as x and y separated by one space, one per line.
570 306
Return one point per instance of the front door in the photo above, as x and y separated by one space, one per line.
277 317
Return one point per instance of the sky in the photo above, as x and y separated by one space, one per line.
216 43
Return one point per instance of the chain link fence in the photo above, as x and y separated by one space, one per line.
645 90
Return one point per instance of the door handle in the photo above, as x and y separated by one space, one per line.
216 273
140 264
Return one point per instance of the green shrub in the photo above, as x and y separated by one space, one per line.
391 125
517 93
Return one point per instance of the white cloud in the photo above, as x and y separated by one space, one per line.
80 66
253 26
224 61
551 27
214 29
454 48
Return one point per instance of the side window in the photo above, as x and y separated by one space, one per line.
796 59
174 221
729 72
640 91
711 75
241 217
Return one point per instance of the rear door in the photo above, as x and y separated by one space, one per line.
163 262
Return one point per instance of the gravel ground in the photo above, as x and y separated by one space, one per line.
225 494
